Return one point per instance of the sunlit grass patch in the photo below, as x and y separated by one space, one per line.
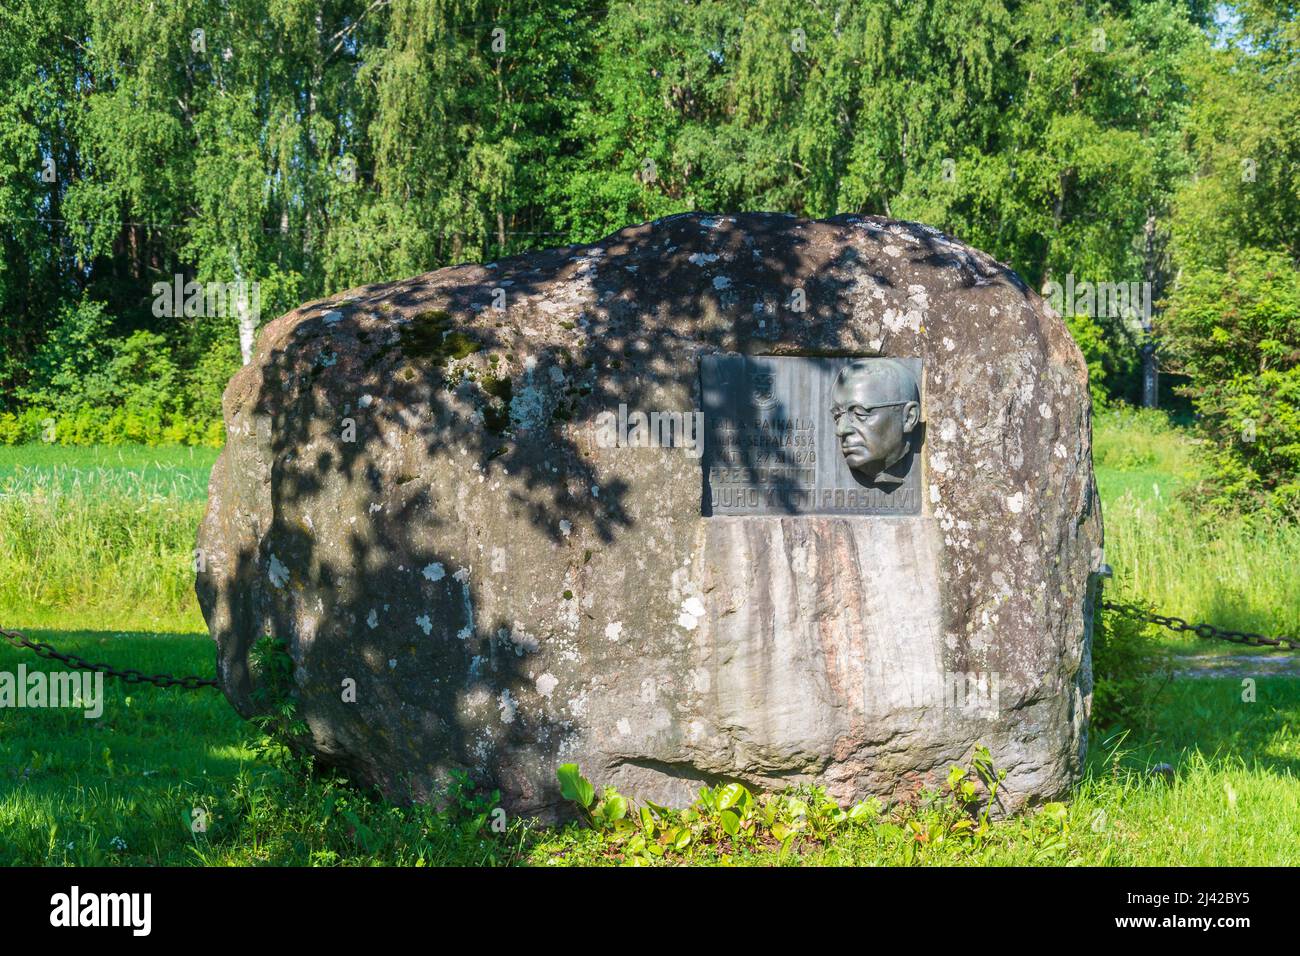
100 536
1227 571
131 470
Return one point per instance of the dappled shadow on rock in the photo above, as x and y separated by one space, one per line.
412 497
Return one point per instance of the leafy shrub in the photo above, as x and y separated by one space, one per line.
87 425
142 373
280 726
1110 354
69 366
1237 335
1128 668
212 371
86 387
32 424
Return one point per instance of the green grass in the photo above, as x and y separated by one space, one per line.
121 790
95 544
1226 572
136 471
1139 453
101 537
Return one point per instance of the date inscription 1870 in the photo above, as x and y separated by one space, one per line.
796 435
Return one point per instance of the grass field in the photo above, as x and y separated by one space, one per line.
1163 552
95 558
179 474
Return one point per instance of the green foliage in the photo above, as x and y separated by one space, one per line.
1129 668
79 369
102 425
71 358
723 819
1237 335
728 824
1241 135
312 148
469 807
277 719
1111 356
86 387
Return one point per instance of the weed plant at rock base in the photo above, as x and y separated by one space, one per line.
1129 668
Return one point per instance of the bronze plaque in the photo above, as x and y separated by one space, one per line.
795 435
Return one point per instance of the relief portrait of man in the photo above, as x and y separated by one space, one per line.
876 405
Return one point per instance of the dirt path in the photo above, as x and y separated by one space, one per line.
1237 665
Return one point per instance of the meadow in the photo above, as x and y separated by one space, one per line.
1164 551
95 557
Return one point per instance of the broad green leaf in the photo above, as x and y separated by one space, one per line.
730 822
574 786
866 810
615 807
1056 811
731 795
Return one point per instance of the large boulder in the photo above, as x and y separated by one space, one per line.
419 496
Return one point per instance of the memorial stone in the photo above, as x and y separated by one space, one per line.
717 498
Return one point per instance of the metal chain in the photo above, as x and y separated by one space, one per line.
129 675
191 682
1206 631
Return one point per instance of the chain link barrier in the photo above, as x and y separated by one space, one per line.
1205 631
128 675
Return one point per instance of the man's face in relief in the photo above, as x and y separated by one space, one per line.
876 405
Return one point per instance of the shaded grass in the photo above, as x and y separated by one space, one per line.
122 789
70 785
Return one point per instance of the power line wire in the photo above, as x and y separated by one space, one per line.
270 229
